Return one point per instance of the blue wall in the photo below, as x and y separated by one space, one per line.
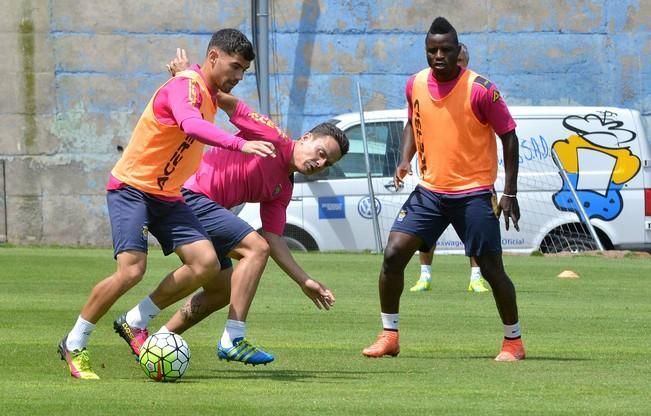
79 73
540 53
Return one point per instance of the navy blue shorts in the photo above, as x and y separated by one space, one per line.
134 214
224 228
427 214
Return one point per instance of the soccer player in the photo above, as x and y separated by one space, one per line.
424 282
454 115
144 189
224 180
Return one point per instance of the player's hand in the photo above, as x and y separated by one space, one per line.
260 148
511 209
178 64
322 297
403 169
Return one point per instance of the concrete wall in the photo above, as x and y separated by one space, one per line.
76 76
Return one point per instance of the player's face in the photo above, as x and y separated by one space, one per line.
442 53
313 154
227 70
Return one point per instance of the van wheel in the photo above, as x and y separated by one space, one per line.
298 239
573 238
573 243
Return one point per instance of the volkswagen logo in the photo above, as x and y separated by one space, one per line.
366 210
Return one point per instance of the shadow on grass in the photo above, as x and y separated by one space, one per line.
421 357
530 358
288 375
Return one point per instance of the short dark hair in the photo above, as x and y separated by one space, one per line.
329 129
233 42
441 26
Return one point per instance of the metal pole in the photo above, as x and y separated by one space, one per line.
262 18
583 217
376 223
4 237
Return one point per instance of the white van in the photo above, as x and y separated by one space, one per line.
605 152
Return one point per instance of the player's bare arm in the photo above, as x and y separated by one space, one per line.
509 202
407 152
319 294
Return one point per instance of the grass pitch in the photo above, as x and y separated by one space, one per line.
587 342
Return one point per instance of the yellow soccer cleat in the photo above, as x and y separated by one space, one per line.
422 285
477 286
78 362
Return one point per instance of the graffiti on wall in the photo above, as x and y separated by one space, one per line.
602 142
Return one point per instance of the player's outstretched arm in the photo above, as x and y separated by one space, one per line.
210 134
227 103
322 297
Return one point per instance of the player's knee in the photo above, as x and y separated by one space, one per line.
395 258
255 246
206 266
491 267
498 279
131 275
262 249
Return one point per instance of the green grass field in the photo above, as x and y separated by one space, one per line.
587 342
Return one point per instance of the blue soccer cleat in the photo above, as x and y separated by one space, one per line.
244 352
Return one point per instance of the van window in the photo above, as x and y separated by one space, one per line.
383 148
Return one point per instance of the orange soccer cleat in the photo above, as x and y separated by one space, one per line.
387 343
512 350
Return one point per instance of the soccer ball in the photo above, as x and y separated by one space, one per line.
164 356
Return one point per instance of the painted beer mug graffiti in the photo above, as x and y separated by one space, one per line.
599 140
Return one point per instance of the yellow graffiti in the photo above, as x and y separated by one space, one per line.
627 164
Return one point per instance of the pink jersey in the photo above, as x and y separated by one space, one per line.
231 178
176 101
485 100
